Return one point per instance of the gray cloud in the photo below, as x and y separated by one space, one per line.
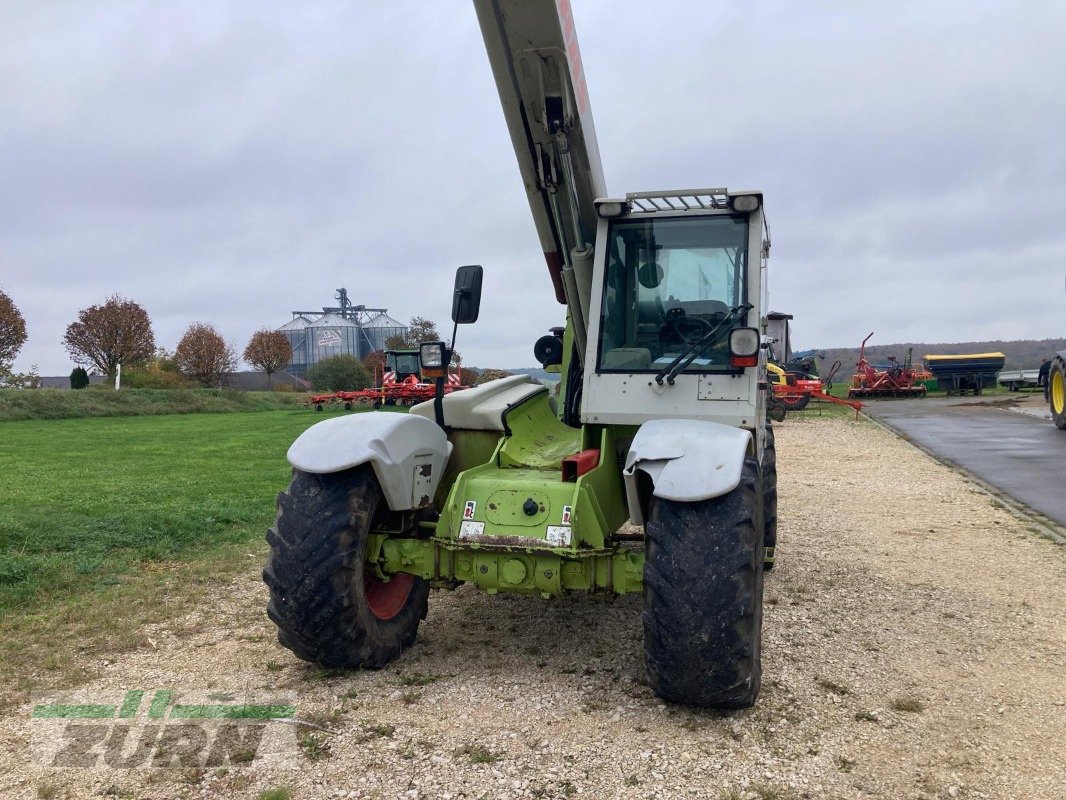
227 162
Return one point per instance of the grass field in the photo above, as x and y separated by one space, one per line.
102 402
84 502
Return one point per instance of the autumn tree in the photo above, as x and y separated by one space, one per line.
374 364
419 330
269 351
12 331
117 332
203 355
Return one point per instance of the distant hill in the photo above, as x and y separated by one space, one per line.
1020 354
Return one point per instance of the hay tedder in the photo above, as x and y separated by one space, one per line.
400 384
895 380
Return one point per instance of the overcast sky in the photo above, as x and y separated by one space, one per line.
227 162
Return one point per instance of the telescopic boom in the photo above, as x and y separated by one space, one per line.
533 51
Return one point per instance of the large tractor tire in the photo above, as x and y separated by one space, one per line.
795 402
703 581
1057 392
769 499
328 608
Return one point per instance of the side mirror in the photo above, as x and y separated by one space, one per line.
467 298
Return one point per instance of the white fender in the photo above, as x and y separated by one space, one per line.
407 453
686 459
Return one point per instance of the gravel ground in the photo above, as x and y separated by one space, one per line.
914 647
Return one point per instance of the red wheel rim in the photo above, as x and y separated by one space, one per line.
387 598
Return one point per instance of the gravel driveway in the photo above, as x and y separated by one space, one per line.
914 647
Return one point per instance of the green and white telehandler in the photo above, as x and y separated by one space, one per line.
660 419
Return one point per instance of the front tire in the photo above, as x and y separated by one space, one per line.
703 581
769 499
328 607
1057 392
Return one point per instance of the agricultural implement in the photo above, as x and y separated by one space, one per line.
895 380
660 419
793 391
793 377
963 374
400 382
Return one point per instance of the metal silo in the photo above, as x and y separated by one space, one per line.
379 330
332 335
345 329
295 330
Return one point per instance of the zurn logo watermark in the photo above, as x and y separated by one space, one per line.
162 728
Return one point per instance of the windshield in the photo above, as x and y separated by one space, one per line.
670 282
404 363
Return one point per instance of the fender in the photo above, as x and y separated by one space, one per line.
408 453
685 460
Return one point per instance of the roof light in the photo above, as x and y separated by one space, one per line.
744 202
609 209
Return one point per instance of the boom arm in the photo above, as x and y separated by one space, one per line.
532 48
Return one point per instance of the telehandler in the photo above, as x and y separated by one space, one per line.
660 419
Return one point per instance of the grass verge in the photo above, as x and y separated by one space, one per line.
33 404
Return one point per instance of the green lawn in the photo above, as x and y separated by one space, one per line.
84 502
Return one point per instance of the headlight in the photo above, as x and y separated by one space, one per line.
431 354
609 209
745 202
744 342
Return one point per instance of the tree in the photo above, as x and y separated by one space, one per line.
374 364
343 373
118 332
420 330
12 331
79 378
269 351
203 355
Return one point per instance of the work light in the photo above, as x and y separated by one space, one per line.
744 202
608 209
431 354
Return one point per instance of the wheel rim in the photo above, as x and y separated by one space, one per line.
1058 393
386 599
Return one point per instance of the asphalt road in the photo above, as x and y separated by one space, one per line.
1022 456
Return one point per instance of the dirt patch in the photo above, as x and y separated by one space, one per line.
913 647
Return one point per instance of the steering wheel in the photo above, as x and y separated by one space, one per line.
678 326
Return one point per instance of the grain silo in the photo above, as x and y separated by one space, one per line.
345 329
380 329
332 335
295 331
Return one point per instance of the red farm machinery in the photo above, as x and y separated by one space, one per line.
890 380
400 384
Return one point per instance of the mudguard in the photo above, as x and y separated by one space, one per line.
686 460
408 453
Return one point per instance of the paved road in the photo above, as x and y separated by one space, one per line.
1021 455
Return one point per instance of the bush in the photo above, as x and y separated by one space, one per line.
338 374
79 378
153 379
